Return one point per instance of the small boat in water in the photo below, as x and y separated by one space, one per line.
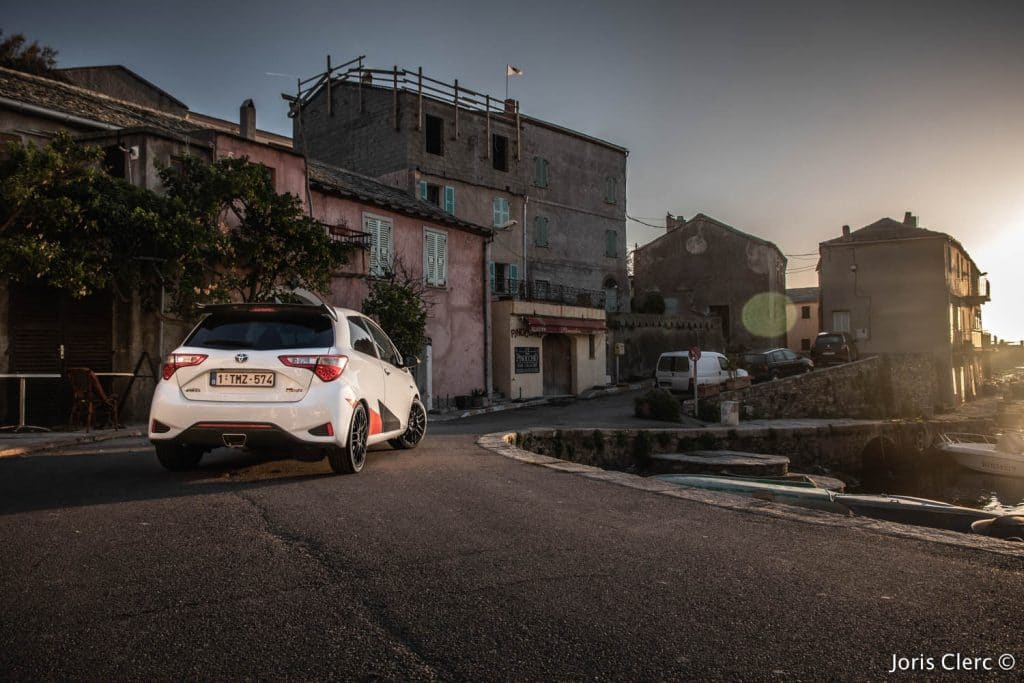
911 510
807 494
802 493
1003 455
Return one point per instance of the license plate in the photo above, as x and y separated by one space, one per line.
241 379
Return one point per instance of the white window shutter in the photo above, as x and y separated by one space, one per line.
442 259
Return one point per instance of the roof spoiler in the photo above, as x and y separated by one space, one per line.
268 307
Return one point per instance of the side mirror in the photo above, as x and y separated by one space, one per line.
410 361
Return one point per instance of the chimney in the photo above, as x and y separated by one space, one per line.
247 120
846 231
910 219
673 222
511 106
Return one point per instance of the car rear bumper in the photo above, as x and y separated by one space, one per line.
210 424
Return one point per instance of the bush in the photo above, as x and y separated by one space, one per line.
657 404
652 302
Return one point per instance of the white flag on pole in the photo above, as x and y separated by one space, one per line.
513 70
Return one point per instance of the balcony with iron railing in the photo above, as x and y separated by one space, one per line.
343 233
546 292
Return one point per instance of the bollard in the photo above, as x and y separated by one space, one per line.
730 413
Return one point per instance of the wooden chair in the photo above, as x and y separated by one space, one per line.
89 400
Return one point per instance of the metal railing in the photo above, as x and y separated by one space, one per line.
398 78
343 233
541 291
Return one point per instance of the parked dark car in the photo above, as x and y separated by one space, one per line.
775 363
833 348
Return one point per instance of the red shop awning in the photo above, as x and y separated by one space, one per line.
549 324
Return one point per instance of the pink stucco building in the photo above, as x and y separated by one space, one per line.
397 231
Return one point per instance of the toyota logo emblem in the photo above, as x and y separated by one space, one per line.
241 357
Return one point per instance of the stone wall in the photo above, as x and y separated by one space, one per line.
841 450
647 336
880 387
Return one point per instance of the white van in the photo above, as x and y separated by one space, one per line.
674 372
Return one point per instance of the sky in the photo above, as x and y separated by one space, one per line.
784 119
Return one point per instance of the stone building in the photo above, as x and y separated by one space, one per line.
706 267
803 317
900 288
554 197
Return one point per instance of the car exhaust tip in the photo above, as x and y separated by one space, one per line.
234 440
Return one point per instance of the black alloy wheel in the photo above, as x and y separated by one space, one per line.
351 458
416 429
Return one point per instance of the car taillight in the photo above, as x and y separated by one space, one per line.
327 368
180 360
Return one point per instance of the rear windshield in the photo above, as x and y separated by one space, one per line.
830 339
261 333
674 364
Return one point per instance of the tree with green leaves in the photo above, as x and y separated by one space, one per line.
264 241
220 232
18 54
399 303
67 224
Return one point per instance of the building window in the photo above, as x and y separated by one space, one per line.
540 231
380 244
805 344
433 193
540 171
592 345
115 160
500 208
840 321
434 134
611 189
435 257
504 278
499 152
805 312
611 243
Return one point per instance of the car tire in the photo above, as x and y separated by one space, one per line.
351 458
416 429
178 458
775 375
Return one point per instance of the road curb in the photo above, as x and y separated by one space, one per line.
531 403
503 443
93 437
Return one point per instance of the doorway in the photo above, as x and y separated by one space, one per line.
49 332
557 363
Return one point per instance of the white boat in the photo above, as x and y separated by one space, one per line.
1003 455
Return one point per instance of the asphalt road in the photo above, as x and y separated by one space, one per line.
451 562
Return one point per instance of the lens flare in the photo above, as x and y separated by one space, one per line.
764 315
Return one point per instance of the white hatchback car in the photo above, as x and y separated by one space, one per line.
317 380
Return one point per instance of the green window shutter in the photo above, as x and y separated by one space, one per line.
423 189
611 243
490 267
449 199
513 278
540 231
500 207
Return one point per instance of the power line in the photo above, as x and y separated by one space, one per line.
649 225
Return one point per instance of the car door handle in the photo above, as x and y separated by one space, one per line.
387 372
